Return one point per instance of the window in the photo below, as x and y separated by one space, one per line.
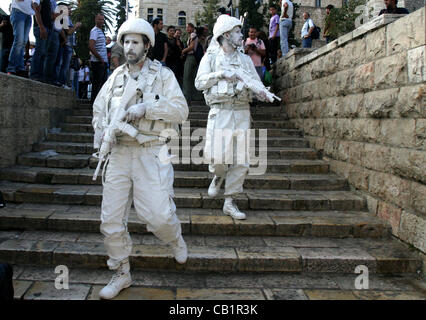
160 13
317 3
182 19
150 15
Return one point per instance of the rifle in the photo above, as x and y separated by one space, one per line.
118 125
254 85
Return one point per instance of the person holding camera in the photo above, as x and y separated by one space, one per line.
256 49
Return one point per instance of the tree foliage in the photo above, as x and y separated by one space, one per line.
255 18
209 15
342 20
121 13
85 11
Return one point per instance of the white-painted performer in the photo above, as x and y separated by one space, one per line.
139 101
229 81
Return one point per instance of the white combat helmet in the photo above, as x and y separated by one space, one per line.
136 25
224 24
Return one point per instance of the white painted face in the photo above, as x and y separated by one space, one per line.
235 37
134 48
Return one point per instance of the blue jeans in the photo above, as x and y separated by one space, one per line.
62 64
21 24
4 59
65 64
37 63
52 50
75 83
307 43
285 26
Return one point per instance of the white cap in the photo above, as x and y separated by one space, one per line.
224 24
137 25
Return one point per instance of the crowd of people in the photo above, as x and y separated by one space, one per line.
52 59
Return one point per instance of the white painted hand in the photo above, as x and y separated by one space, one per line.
135 112
229 75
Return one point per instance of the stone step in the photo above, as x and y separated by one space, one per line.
72 127
35 283
189 197
213 254
74 161
183 179
288 142
199 221
87 148
273 166
255 116
259 124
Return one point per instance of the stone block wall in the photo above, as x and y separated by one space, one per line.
27 109
361 101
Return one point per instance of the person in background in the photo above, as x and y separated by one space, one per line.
67 51
98 58
42 30
191 65
274 33
160 49
83 80
74 71
174 52
7 42
391 8
179 43
286 22
307 29
329 32
117 56
109 45
255 48
54 48
20 19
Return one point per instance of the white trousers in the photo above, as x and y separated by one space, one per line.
136 174
222 121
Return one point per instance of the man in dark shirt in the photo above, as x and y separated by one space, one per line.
160 49
7 41
174 50
391 7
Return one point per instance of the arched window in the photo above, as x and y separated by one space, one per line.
182 18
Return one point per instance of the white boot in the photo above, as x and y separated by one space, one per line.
215 186
180 250
231 209
120 280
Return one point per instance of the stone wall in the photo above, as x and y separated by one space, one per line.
27 109
361 101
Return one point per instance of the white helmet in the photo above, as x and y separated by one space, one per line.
137 25
224 24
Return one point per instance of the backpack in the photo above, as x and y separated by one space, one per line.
199 52
315 34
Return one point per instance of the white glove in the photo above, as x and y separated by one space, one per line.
135 112
229 75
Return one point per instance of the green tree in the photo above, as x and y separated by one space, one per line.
121 13
209 15
255 18
86 11
342 20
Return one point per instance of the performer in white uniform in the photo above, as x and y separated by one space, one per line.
223 74
152 102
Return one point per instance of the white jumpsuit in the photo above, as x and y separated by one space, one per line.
229 110
134 171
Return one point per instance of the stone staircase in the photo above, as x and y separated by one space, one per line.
302 219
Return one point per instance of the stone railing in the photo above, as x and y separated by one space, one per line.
27 110
361 101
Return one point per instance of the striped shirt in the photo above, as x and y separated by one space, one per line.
100 44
